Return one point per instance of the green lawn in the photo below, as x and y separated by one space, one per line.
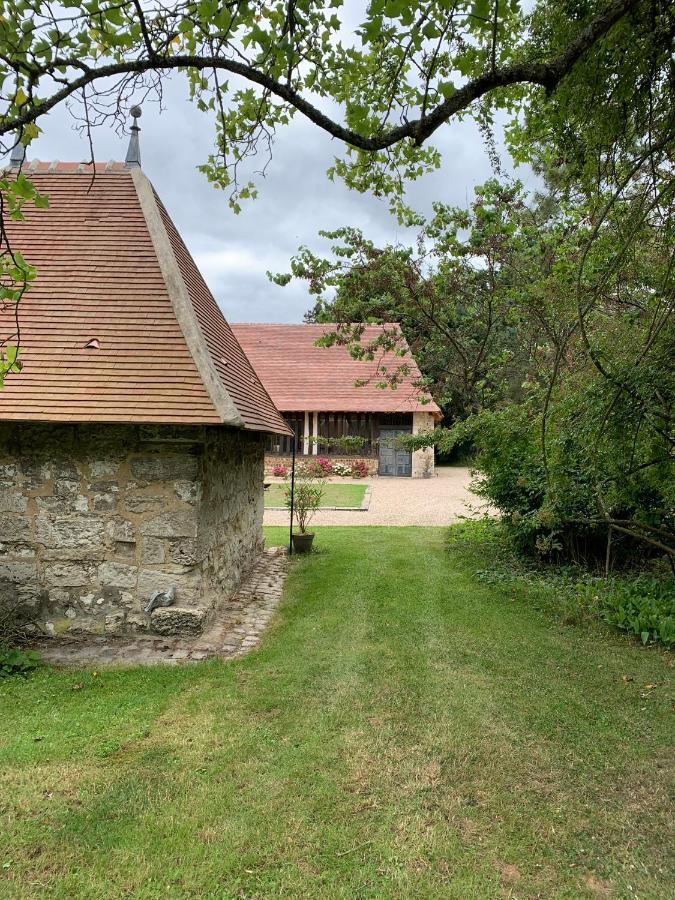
405 731
339 495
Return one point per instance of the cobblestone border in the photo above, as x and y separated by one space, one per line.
236 628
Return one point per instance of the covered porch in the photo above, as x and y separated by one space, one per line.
346 436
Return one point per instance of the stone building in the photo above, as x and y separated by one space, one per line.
132 439
323 392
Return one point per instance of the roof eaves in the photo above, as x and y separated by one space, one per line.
182 305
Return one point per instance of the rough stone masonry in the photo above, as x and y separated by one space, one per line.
95 518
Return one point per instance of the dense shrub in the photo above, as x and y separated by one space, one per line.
359 468
342 469
280 471
642 605
311 468
16 626
326 465
595 470
17 661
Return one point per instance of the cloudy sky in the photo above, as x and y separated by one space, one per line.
296 199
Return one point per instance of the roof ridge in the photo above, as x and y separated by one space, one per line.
70 167
181 302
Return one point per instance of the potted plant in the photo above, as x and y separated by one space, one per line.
307 499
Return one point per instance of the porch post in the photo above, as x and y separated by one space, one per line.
305 439
315 431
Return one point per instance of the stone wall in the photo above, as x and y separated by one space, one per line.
232 500
96 518
272 460
423 460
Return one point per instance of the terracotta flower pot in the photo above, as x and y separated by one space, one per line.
302 543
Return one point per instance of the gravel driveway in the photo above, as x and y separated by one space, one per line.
440 500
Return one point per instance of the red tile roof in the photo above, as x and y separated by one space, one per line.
301 376
112 266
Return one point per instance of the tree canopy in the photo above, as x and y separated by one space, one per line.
381 78
587 83
573 290
545 328
457 293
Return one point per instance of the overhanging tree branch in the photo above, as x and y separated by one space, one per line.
543 74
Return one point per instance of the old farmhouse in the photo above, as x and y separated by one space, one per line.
131 442
321 393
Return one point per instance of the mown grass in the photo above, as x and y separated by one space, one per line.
404 731
338 495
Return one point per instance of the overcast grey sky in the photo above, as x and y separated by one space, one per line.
295 200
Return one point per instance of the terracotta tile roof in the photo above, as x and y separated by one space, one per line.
301 376
111 266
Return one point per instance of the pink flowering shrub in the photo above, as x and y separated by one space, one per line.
359 468
326 465
311 469
280 471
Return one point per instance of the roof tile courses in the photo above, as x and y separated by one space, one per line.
99 276
232 365
299 375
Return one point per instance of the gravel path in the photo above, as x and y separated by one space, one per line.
405 501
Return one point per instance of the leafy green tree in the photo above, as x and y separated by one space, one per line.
382 85
467 295
547 329
574 71
582 466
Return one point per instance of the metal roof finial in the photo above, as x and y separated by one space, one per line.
133 157
17 155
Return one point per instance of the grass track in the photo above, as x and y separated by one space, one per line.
405 731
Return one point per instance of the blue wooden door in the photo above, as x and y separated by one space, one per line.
394 461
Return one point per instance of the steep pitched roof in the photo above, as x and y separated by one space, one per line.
301 376
112 267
